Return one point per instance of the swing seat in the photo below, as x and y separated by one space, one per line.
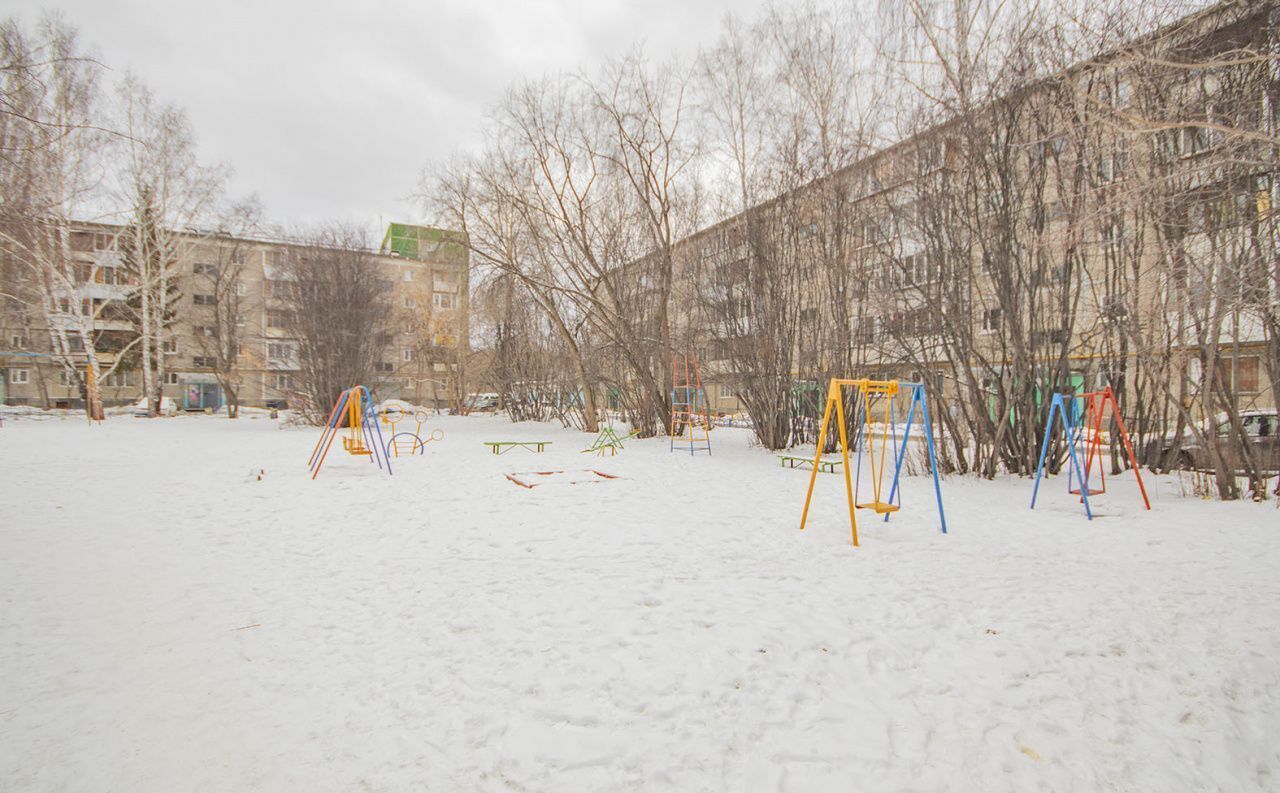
356 447
1075 491
881 507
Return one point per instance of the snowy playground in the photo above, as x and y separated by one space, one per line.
185 608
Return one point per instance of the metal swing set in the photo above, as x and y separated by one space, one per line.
363 436
865 443
1085 427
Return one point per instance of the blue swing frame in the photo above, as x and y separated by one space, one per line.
1073 429
918 401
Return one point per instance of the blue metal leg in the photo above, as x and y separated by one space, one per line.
933 457
378 429
900 454
1044 445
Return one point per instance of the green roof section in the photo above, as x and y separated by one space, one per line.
422 242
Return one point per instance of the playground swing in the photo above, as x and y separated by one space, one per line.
885 390
865 443
1084 427
354 406
406 442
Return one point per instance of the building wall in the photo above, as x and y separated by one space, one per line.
429 295
885 183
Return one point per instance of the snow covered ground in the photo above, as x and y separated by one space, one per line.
171 621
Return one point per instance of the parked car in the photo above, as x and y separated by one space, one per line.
1261 427
481 402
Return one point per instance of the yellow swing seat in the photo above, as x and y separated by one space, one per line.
355 446
881 507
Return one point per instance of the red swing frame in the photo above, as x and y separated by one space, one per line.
1096 404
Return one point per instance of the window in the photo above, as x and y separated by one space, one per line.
406 355
444 301
276 319
1240 374
240 320
920 269
282 382
170 346
241 289
726 392
204 268
1122 93
444 340
204 300
1106 170
990 320
19 376
444 282
119 380
386 366
279 351
202 361
75 344
171 378
1195 140
204 330
407 276
409 302
18 342
236 257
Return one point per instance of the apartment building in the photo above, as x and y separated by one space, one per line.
228 285
1092 210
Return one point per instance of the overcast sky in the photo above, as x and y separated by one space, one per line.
333 114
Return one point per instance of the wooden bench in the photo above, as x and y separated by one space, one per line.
792 461
502 447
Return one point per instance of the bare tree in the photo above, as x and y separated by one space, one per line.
170 198
52 148
335 310
223 337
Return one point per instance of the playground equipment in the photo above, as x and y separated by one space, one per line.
608 441
502 447
403 441
690 422
868 391
1089 432
531 479
363 436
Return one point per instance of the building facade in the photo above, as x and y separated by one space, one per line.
1110 225
225 286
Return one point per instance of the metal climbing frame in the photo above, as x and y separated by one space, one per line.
690 420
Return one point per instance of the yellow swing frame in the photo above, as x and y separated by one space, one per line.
886 390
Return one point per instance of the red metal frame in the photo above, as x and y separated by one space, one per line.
1096 404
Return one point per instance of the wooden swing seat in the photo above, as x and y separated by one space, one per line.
1075 491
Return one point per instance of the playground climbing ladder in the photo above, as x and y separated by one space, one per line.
690 422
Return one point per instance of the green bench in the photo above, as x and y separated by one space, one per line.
502 447
825 466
